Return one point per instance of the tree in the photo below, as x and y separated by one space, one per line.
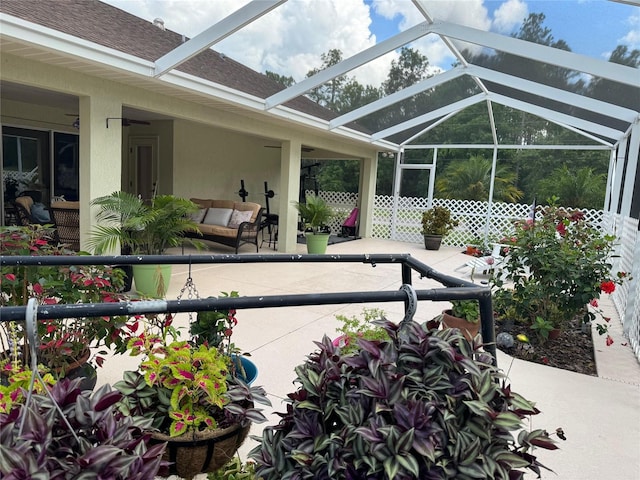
580 188
614 92
409 69
328 94
470 179
281 79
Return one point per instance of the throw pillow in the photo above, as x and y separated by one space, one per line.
199 215
217 216
238 217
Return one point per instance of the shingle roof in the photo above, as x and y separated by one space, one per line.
114 28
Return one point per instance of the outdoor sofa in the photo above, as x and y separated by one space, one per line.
227 222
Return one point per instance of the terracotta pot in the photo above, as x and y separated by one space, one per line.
468 329
554 334
201 452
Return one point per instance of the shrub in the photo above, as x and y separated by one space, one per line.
424 404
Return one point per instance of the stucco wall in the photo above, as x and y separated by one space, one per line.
221 159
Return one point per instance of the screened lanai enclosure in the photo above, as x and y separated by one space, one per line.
522 101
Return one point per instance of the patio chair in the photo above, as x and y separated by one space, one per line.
350 225
487 264
66 218
23 211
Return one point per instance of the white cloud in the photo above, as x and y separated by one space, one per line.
632 38
509 15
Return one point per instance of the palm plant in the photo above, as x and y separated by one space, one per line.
582 188
315 212
146 229
471 180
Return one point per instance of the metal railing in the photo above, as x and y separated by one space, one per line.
453 288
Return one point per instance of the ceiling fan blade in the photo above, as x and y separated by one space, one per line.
127 122
304 149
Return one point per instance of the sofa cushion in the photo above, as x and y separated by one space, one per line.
218 230
248 206
222 204
203 202
217 216
238 217
199 215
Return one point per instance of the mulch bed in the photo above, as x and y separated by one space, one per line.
572 350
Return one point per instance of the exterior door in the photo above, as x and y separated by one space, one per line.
143 157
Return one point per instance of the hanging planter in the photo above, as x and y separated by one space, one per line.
201 452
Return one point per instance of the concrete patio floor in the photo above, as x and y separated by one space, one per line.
599 415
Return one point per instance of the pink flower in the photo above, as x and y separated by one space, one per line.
10 276
594 303
609 341
561 229
490 261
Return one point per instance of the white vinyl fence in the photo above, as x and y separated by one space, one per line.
404 225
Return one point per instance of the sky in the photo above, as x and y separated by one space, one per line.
291 39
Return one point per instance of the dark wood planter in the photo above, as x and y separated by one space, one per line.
432 242
468 329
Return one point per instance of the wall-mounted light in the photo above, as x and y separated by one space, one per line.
76 123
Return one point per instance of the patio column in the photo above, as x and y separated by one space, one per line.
368 175
290 186
100 154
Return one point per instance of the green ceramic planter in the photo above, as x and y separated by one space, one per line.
152 280
317 242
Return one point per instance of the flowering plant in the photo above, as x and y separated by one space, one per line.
215 327
188 385
61 342
559 265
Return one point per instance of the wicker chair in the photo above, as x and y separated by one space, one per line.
23 211
66 218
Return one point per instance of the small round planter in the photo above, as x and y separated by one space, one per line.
201 452
432 242
554 334
468 329
152 280
317 242
81 368
248 371
87 373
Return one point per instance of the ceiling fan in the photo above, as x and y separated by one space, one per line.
304 149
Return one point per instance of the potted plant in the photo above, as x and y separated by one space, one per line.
214 328
126 221
315 214
235 470
463 315
82 435
190 393
357 327
69 347
436 223
424 404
